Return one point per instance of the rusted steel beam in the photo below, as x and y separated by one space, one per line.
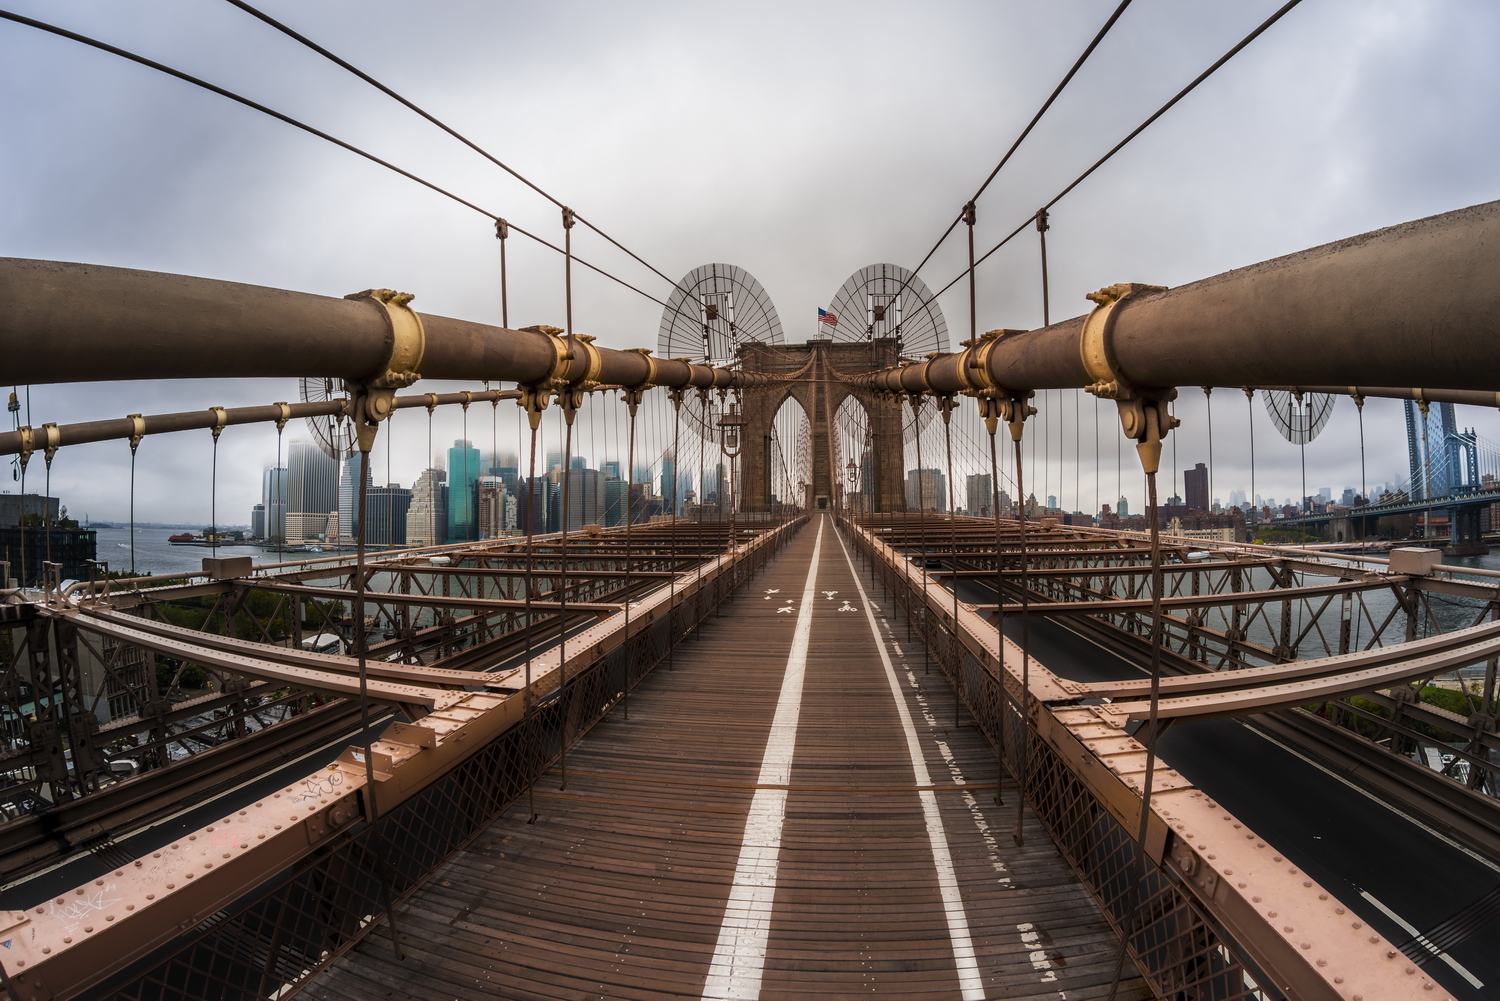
258 667
1300 682
37 840
426 600
293 657
1107 606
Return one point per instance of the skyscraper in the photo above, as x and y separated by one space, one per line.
585 498
386 511
1195 485
427 519
611 470
981 497
273 498
537 507
349 499
926 490
312 479
670 497
615 492
258 521
1433 452
496 508
463 484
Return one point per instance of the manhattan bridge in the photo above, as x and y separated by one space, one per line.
805 718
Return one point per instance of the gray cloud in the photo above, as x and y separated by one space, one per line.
801 141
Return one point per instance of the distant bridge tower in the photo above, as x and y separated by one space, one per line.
1433 450
816 367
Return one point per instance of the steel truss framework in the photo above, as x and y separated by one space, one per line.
1079 767
314 901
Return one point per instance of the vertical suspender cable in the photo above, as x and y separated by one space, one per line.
534 418
502 232
46 496
632 401
916 403
1023 757
954 655
676 397
1364 483
1254 499
1208 402
361 646
569 413
991 414
1152 732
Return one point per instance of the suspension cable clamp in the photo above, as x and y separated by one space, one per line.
54 439
137 431
557 375
220 418
1095 344
590 380
650 379
285 410
1144 415
28 444
407 338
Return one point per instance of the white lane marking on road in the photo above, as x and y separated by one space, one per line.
971 985
740 954
1371 797
1410 930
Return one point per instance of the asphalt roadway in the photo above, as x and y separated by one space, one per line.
1378 861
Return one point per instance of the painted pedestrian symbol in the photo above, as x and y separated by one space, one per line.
830 594
771 591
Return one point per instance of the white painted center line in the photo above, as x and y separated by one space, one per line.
1411 930
971 985
740 954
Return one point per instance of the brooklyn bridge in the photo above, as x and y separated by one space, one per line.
803 717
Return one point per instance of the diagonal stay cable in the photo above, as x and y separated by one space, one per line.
231 95
1184 92
1056 91
367 78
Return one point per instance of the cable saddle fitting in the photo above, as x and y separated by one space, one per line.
1144 415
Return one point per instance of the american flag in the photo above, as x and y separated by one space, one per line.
832 319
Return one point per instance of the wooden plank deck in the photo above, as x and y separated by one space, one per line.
619 890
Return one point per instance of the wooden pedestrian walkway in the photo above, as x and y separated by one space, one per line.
790 812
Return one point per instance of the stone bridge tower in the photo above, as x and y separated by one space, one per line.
814 370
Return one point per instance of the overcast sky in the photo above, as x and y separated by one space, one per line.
801 141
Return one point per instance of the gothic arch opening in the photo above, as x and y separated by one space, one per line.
788 457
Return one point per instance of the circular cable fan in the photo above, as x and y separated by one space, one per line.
888 301
333 434
712 311
1299 421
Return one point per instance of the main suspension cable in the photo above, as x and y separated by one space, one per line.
256 106
1077 65
440 124
1134 132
